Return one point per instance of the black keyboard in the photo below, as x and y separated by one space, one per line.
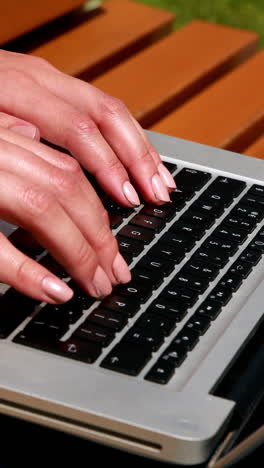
170 272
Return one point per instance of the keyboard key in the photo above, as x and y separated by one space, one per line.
161 372
127 358
187 229
199 323
257 243
14 308
231 281
92 332
247 212
257 190
206 207
241 268
163 251
226 187
150 222
165 212
180 240
210 308
188 336
141 337
192 282
232 234
201 269
220 294
188 177
134 289
128 306
220 245
233 221
151 279
129 246
173 291
175 309
162 266
114 208
250 255
138 233
158 324
107 318
192 217
211 255
175 353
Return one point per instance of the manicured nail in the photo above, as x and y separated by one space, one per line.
130 194
121 270
166 176
56 289
28 131
101 283
159 189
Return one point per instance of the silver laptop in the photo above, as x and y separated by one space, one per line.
152 369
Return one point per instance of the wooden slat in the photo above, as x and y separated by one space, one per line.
256 149
21 16
120 29
156 80
228 114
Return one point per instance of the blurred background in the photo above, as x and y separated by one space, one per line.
245 14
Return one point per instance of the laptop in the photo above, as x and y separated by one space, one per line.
170 363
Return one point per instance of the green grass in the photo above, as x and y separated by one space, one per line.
244 14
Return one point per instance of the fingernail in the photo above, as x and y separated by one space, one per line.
130 194
166 176
56 289
121 270
26 130
159 189
101 283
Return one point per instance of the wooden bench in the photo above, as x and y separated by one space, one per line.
203 82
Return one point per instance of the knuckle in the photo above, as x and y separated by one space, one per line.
112 105
64 182
104 237
82 126
23 271
36 201
85 257
39 61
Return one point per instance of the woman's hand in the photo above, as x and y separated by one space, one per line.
45 191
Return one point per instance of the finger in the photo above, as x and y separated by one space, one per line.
19 126
62 124
163 171
127 140
30 278
71 188
38 211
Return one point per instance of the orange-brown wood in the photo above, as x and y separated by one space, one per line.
120 28
228 114
20 16
256 149
156 80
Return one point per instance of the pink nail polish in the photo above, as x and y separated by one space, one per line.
121 270
166 176
26 130
56 289
159 189
101 283
130 194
